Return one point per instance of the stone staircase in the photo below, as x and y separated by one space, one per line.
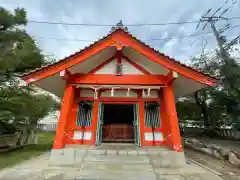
108 162
117 161
157 156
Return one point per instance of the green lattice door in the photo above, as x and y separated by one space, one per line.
136 125
99 124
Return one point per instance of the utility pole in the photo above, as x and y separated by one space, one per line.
212 19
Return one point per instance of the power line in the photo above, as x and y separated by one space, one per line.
61 39
111 25
151 39
179 37
212 19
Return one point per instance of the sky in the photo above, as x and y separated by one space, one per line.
130 12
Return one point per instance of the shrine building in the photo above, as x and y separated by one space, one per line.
118 89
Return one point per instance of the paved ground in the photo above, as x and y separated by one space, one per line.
105 167
227 170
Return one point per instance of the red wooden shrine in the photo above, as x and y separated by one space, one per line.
118 69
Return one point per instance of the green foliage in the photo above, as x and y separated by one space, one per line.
8 20
188 109
218 105
18 51
18 54
25 106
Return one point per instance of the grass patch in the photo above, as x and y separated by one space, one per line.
45 140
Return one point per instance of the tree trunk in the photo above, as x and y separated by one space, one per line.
203 107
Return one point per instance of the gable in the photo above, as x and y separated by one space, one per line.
120 39
127 68
144 60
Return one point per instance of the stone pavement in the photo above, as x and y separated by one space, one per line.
105 166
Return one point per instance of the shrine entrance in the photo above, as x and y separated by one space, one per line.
115 80
118 120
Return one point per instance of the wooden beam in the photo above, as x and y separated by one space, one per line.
144 71
65 74
109 79
171 76
94 70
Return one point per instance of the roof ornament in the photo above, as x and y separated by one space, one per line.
119 26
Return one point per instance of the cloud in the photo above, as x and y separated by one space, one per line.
131 12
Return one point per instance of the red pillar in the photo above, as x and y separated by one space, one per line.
171 113
67 102
165 123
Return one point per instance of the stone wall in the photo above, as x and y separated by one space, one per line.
18 139
230 134
216 151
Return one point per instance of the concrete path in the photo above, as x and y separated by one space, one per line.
104 167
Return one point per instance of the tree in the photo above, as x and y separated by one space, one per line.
25 106
220 104
18 54
18 51
227 94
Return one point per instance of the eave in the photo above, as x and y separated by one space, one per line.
119 39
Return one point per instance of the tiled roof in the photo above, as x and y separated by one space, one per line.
114 29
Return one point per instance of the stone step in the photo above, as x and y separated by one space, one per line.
111 150
113 175
119 166
113 158
158 157
117 152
